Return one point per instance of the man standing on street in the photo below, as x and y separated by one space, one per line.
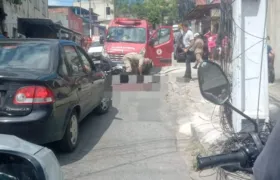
188 41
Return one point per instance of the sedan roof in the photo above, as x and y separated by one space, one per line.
50 41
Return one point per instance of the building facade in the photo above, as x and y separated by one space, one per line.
98 7
67 18
75 18
22 9
204 15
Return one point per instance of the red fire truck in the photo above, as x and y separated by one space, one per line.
126 35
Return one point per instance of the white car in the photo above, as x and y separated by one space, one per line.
20 159
95 49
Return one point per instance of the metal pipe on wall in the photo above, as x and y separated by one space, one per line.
90 19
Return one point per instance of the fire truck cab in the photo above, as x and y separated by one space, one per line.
125 35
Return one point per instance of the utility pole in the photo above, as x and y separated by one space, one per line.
249 66
90 19
115 8
80 7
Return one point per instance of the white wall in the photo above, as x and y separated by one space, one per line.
55 17
273 28
98 6
28 9
249 78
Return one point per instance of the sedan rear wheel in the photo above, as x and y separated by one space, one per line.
70 138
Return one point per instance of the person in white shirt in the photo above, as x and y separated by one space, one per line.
188 41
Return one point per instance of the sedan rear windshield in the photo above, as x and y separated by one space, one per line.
32 56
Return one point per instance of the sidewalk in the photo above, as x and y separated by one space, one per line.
197 119
274 100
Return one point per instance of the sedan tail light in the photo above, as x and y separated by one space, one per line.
33 95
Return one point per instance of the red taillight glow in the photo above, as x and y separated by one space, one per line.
33 95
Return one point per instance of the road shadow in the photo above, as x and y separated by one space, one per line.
91 130
185 80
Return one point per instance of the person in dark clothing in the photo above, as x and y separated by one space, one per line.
270 63
177 35
179 54
188 41
205 49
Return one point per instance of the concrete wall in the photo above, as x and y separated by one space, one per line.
55 17
273 29
28 9
98 6
67 17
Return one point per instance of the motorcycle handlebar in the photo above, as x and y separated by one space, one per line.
221 159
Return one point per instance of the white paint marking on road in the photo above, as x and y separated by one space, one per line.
116 79
148 79
132 79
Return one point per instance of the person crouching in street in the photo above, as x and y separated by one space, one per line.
136 63
198 49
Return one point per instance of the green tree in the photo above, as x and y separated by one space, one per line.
172 12
152 10
156 10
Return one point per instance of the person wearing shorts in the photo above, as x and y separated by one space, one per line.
198 49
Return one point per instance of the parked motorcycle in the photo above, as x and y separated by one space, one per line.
215 87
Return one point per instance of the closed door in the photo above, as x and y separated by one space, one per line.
91 72
80 77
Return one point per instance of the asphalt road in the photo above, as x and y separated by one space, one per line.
137 139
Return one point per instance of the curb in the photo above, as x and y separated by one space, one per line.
195 135
211 173
170 70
